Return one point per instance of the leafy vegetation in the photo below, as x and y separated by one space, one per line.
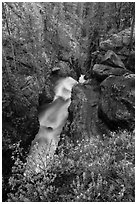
37 37
90 171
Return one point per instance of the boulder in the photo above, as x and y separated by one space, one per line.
119 43
117 101
101 71
112 59
106 45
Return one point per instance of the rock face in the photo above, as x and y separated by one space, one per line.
111 64
97 109
112 59
83 121
22 106
117 101
101 71
104 103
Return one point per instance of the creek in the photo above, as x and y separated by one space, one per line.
52 117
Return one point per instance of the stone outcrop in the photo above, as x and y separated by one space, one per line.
112 59
111 64
83 121
104 103
117 101
101 71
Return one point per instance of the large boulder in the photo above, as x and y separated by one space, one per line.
117 101
112 59
101 71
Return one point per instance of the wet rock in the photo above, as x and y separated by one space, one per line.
101 71
117 101
112 59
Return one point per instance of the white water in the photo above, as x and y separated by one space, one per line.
81 79
63 88
51 119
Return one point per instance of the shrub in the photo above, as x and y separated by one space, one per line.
90 171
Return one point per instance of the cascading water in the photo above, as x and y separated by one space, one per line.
52 118
81 79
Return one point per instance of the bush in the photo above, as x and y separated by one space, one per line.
90 171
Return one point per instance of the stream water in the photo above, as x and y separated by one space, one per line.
52 118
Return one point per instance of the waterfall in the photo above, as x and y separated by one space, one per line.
52 118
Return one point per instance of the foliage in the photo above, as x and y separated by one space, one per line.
91 171
53 31
101 20
36 37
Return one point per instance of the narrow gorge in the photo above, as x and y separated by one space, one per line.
68 101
